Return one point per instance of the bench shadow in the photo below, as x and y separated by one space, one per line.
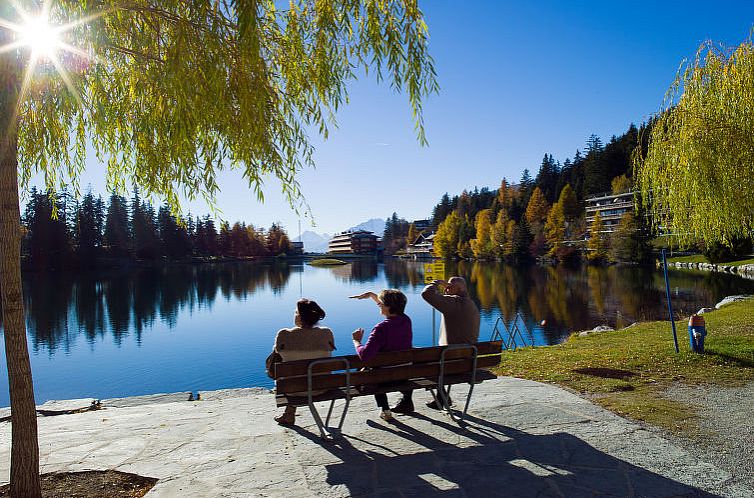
485 459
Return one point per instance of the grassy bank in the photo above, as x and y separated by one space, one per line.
627 371
698 258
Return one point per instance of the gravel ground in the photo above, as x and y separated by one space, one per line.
726 435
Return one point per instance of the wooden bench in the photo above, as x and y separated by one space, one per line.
305 382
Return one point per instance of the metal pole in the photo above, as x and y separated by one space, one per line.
434 330
670 304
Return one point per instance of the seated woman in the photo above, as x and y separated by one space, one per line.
302 342
392 334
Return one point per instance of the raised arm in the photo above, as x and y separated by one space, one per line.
367 295
432 295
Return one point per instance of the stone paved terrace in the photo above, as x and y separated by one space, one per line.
523 439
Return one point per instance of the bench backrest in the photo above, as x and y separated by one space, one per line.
292 376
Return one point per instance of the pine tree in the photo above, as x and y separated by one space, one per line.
117 238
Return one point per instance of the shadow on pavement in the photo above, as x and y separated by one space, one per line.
487 460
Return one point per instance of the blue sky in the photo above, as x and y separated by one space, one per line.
518 80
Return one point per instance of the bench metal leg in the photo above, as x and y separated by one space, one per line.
324 428
445 396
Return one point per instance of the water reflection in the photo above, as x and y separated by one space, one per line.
61 306
184 327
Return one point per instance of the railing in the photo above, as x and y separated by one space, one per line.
502 332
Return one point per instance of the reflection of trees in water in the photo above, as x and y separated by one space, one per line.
401 273
572 299
121 302
61 306
46 298
355 271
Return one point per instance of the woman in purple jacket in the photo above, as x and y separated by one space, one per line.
392 334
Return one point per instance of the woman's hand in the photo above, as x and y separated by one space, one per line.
366 295
358 335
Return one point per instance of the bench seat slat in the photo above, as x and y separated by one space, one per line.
420 383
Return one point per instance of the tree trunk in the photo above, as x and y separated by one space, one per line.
24 463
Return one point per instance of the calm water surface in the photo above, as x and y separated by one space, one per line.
190 328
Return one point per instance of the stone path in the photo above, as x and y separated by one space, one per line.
523 439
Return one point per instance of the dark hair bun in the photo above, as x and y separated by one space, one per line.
310 312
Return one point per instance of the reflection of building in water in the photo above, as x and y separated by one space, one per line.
354 242
610 207
356 271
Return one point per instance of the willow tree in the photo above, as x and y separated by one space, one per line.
697 177
167 94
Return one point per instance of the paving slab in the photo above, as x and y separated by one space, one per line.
522 438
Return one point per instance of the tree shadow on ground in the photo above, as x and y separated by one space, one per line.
485 459
605 373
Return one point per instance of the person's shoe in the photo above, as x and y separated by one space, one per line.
404 407
386 415
286 419
435 406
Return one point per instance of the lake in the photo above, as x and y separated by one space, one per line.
205 327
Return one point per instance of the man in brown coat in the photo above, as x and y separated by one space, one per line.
460 316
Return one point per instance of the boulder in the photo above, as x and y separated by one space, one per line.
704 310
732 299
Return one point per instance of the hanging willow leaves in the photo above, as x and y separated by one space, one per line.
697 177
174 91
168 93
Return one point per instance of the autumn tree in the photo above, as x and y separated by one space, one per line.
169 93
621 184
482 246
555 230
597 244
446 239
696 176
536 216
570 203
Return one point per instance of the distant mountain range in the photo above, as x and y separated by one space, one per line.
315 242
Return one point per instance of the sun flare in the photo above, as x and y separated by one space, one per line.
41 37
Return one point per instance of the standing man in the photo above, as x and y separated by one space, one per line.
460 316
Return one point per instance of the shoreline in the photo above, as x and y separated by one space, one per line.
744 271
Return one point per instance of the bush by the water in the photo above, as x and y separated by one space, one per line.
721 253
327 262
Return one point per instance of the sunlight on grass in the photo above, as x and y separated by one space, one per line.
628 371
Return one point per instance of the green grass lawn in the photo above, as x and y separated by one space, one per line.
628 370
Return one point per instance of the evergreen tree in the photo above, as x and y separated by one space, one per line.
224 246
117 238
146 240
441 210
88 237
277 241
547 178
